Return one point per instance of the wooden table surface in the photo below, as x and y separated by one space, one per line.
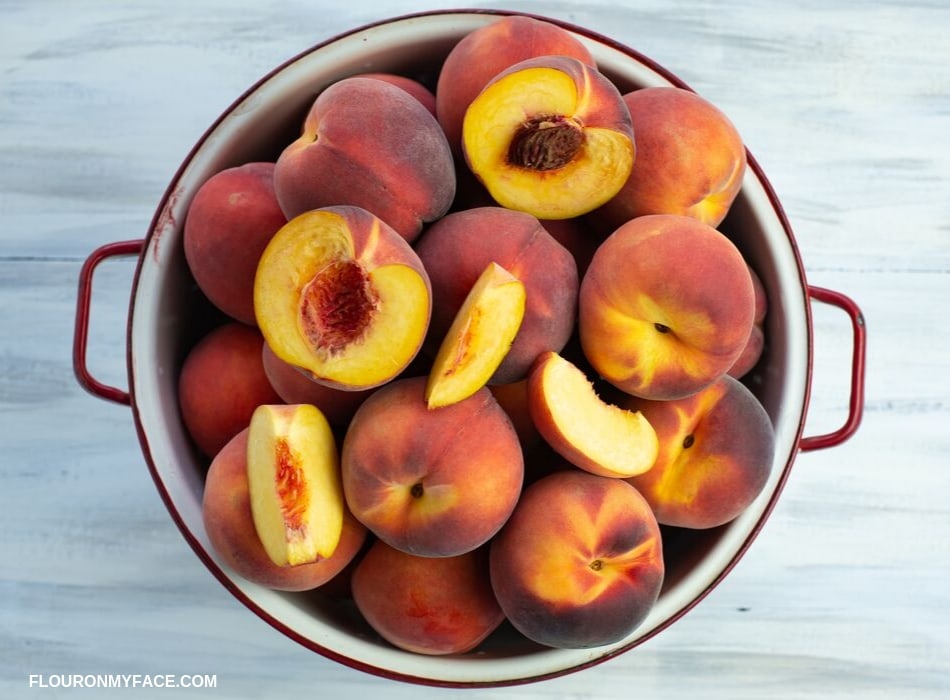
845 104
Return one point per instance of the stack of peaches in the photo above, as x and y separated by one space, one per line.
480 345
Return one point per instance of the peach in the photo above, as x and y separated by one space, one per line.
456 250
484 53
229 525
513 398
479 337
755 346
295 386
579 564
716 451
690 158
231 219
550 136
370 144
431 482
596 436
666 306
293 480
410 85
426 605
222 382
341 295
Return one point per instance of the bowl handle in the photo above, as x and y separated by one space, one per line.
81 334
856 407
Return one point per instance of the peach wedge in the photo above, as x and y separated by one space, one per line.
596 436
550 136
479 337
341 295
293 480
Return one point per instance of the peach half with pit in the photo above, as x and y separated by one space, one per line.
368 143
426 605
230 221
341 295
479 337
716 452
460 246
580 562
550 136
690 158
485 52
596 436
666 306
229 525
431 482
293 478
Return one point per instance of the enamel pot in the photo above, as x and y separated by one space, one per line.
163 323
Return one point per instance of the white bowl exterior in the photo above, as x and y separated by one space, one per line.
157 321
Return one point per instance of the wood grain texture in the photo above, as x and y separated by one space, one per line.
845 104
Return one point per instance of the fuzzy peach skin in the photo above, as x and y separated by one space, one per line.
580 562
457 248
550 136
229 223
437 482
295 386
755 346
426 605
666 306
226 513
410 85
716 451
368 143
222 381
690 158
484 52
341 295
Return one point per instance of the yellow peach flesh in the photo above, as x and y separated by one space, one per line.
294 484
479 337
317 248
611 441
499 113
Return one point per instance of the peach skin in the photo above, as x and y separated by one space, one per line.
666 306
431 482
226 513
426 605
690 159
580 562
369 143
716 451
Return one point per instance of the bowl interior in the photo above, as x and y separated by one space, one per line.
168 314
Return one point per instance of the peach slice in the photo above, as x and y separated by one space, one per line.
479 337
340 294
293 480
550 136
596 436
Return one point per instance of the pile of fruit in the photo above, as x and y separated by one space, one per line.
479 342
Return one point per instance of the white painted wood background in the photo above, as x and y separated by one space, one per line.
846 105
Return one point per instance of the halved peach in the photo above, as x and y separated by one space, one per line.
479 337
594 435
550 136
293 478
342 295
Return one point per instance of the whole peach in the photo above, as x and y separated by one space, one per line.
579 563
226 513
431 482
427 605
